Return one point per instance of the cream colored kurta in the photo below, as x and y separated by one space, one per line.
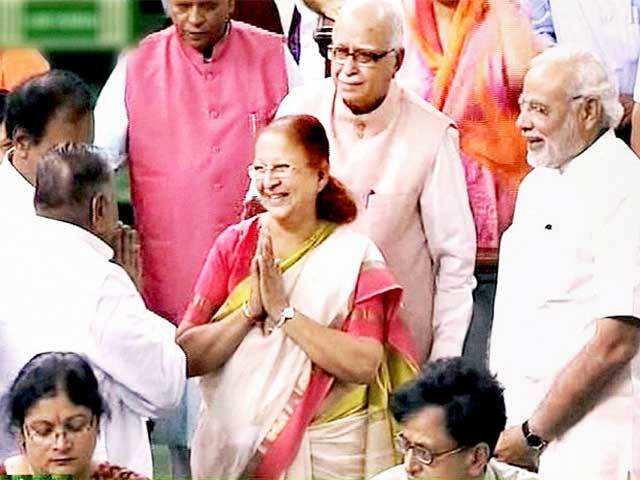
571 257
402 165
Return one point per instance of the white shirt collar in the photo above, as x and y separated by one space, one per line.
20 182
596 152
64 230
375 121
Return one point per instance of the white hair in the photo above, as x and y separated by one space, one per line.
385 11
589 77
165 5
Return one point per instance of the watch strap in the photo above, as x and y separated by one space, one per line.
534 441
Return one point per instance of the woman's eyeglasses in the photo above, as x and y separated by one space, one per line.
276 172
46 434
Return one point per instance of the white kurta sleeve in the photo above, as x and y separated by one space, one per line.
111 118
617 261
137 349
446 215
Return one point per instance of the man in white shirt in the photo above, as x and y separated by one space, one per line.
62 292
399 158
451 418
49 109
567 312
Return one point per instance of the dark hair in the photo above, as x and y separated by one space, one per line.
3 101
471 397
334 203
35 102
70 175
48 374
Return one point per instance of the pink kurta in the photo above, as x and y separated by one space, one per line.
192 125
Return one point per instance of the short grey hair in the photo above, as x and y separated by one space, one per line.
70 174
165 5
589 77
385 11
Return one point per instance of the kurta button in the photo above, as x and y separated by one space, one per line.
216 149
214 113
209 76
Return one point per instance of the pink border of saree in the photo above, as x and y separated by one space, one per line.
281 453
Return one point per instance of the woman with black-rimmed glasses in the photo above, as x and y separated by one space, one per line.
54 409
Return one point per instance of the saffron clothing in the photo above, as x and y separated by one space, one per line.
476 81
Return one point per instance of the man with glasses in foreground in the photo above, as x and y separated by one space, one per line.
399 157
451 418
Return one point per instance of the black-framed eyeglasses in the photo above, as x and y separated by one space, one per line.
362 56
422 454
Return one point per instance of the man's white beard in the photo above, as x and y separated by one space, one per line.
558 148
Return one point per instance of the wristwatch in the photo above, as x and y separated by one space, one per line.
534 441
287 314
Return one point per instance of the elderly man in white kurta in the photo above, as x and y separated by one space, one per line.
61 292
567 314
399 158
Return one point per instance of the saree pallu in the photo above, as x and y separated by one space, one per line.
257 409
476 85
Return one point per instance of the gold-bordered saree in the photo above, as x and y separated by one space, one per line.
269 412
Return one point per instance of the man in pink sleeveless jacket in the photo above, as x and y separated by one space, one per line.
186 105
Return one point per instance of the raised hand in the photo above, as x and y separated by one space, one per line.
273 295
127 251
254 311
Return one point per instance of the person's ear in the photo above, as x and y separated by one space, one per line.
22 443
98 212
323 179
399 58
478 459
22 142
232 7
591 113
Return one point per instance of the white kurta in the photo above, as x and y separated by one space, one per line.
16 198
404 172
571 257
60 292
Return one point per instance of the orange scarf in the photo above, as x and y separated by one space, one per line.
467 15
492 139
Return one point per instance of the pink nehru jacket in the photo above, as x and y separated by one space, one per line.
192 125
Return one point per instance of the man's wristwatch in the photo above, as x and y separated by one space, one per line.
534 441
287 314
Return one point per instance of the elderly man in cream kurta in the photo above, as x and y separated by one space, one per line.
399 158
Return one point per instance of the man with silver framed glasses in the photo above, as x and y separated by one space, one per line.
399 158
451 418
